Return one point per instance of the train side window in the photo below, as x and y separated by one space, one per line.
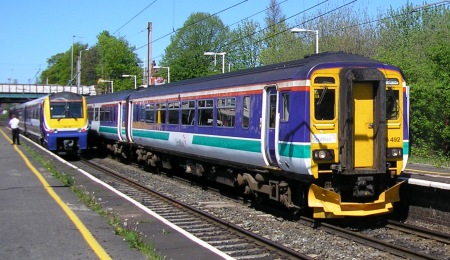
324 103
246 108
226 112
149 113
161 113
205 112
91 113
174 112
105 114
187 112
285 107
392 101
96 113
273 109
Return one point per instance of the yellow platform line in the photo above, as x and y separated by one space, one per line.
431 172
87 235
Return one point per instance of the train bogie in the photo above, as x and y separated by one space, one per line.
329 132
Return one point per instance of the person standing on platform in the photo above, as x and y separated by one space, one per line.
14 124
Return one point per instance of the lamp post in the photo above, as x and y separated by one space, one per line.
109 81
316 32
79 71
209 53
131 76
71 60
168 71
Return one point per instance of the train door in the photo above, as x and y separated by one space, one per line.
128 121
363 99
268 125
120 117
362 121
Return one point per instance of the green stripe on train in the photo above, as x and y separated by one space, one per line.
228 143
294 150
151 134
405 147
108 129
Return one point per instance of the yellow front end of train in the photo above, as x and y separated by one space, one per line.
65 122
359 140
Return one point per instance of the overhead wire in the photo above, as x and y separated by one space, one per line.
191 24
135 16
278 4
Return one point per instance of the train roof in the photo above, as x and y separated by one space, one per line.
291 70
111 97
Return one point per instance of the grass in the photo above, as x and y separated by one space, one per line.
425 155
440 162
133 237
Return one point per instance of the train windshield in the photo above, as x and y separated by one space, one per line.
59 110
324 103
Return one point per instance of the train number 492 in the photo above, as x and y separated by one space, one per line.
394 139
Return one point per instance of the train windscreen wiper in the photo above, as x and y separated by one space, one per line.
322 95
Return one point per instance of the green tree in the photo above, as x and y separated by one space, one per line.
56 71
59 69
279 43
200 33
116 59
245 45
417 42
89 61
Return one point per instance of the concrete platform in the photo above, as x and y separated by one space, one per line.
43 219
427 176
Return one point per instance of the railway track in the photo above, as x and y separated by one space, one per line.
212 234
231 239
388 245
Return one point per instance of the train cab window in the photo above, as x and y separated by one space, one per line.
149 113
324 103
285 107
174 112
246 112
187 112
205 112
392 104
161 113
324 80
66 109
226 112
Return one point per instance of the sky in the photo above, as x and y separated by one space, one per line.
33 31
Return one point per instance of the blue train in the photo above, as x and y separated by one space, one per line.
57 121
327 133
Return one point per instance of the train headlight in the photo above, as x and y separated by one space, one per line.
324 154
394 152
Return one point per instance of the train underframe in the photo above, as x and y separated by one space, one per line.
354 194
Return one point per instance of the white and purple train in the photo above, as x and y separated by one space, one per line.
328 132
